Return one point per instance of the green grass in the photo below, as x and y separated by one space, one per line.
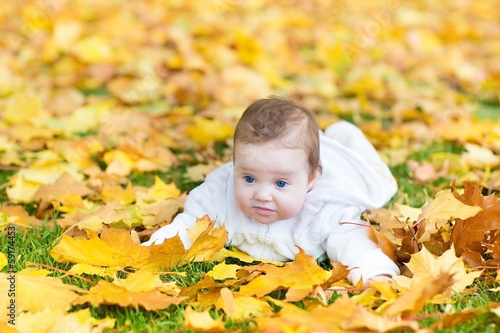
4 183
34 245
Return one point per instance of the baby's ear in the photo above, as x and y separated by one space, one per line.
313 179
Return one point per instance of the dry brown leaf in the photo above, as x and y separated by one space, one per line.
476 232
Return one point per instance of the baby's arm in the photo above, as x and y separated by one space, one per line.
208 198
180 224
378 278
350 244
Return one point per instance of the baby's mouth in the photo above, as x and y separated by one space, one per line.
263 210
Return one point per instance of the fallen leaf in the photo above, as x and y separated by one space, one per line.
419 292
204 131
19 216
303 274
65 185
110 293
34 288
114 192
202 321
22 107
56 320
292 319
239 307
475 233
441 210
425 265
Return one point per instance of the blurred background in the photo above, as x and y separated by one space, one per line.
129 85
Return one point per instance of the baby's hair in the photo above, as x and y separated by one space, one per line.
274 118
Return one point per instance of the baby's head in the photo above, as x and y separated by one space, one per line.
276 159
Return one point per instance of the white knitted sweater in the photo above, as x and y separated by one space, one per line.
354 179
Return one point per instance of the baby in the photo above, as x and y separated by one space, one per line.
291 185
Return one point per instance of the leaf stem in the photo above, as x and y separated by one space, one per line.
354 223
61 271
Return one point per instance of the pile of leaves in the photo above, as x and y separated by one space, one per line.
110 112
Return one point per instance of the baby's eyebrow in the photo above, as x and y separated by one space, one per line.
280 172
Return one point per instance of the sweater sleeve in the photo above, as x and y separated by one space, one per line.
349 243
208 198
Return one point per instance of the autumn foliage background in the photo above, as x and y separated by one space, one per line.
111 111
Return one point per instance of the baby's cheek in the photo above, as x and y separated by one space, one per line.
240 198
291 208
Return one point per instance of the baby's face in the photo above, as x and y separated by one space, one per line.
270 181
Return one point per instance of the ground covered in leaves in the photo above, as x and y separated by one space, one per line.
110 112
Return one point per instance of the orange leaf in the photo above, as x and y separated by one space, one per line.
302 274
109 293
202 321
420 292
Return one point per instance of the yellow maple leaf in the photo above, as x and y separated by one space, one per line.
22 191
114 192
57 320
202 321
238 306
94 218
160 190
242 256
303 274
425 289
293 319
115 250
204 131
110 293
34 288
86 118
440 211
425 265
445 207
22 108
119 163
94 49
207 242
224 271
66 189
19 216
160 212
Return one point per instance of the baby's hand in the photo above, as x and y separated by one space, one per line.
379 278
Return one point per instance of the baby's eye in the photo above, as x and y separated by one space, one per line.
281 183
249 179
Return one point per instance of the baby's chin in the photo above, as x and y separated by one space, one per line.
269 219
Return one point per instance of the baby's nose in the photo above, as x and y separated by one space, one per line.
263 194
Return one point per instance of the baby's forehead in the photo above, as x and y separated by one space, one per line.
292 138
275 144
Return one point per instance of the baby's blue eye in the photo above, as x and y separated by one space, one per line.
281 183
249 179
